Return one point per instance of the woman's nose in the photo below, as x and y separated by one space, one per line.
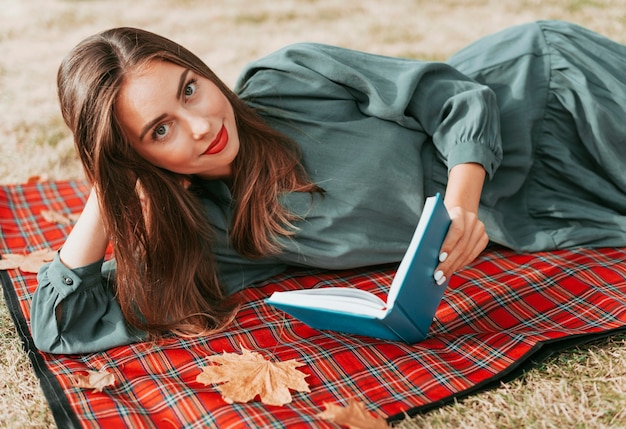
199 127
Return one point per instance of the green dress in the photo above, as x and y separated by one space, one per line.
541 106
561 91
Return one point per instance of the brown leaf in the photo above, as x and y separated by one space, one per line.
54 216
355 416
240 377
37 179
96 380
27 263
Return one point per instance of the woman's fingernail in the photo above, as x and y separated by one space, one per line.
441 281
438 275
443 256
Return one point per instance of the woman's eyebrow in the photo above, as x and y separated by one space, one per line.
179 91
181 83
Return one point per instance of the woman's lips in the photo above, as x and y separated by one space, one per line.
219 143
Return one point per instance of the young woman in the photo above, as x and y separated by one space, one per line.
321 157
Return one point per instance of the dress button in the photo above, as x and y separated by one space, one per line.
68 281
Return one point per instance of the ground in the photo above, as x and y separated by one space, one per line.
582 388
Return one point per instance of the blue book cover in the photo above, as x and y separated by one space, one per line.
413 296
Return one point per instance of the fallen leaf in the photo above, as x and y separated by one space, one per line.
54 216
37 179
27 263
240 377
355 416
96 380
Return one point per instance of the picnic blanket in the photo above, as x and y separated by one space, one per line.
498 316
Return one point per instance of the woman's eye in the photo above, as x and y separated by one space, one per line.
190 88
160 132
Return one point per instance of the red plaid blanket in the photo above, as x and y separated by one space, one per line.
494 316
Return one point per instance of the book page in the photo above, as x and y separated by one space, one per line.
340 299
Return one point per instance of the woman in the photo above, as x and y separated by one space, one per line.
321 157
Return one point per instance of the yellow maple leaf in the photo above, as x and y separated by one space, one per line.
96 380
240 377
355 416
27 263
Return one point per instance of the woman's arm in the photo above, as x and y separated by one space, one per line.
459 115
87 242
466 237
90 319
74 308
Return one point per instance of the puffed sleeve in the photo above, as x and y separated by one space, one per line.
74 310
459 115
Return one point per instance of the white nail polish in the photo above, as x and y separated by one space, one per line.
443 256
441 281
438 275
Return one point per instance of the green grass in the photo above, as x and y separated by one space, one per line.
581 388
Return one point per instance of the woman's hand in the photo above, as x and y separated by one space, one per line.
466 238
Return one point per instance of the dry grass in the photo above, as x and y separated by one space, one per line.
583 388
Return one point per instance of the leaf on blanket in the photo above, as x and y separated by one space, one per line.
354 416
96 380
54 216
241 377
27 263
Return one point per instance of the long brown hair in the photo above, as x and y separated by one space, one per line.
167 278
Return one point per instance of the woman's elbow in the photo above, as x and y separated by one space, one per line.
44 326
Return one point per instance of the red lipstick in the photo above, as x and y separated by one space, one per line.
218 143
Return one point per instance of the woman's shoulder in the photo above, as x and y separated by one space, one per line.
295 68
304 52
315 65
301 55
307 48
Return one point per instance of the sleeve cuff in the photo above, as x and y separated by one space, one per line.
474 152
67 281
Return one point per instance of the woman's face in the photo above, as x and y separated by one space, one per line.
178 120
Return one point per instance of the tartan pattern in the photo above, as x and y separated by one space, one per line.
494 315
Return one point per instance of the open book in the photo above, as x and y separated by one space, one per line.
413 297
